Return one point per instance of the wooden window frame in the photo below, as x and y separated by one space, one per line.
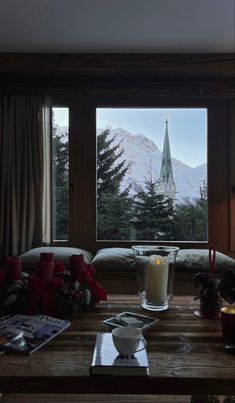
82 220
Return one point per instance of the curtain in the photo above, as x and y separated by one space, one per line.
21 173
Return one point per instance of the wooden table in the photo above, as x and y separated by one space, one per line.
186 356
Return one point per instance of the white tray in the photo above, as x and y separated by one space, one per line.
142 322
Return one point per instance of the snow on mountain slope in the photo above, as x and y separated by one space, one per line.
144 157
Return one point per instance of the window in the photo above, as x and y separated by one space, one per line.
60 129
84 121
152 174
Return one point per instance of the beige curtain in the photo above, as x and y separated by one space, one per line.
21 173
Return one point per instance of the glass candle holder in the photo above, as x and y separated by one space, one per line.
155 268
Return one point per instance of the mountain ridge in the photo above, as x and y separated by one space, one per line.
143 156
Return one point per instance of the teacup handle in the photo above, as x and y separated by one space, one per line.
144 342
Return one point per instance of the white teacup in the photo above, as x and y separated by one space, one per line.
127 339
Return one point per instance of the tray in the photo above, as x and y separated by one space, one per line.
141 322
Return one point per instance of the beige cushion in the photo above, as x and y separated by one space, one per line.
198 259
30 258
117 258
187 260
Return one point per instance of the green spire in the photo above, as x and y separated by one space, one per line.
166 180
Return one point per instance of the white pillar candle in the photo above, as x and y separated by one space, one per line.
157 279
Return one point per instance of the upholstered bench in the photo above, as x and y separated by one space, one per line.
187 260
116 266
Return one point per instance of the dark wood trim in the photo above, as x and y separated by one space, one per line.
121 66
163 75
129 89
151 89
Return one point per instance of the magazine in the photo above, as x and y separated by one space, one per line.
26 334
107 361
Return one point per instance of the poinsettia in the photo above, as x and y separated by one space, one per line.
85 273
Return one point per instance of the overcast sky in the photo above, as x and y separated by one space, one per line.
187 128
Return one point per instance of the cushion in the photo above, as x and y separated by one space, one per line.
61 254
114 258
187 260
198 259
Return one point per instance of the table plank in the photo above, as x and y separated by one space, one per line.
186 356
17 398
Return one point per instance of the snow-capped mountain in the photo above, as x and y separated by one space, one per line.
144 157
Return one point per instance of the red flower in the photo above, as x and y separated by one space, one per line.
59 268
13 269
83 277
91 270
97 290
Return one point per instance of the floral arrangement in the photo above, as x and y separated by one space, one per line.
52 290
214 289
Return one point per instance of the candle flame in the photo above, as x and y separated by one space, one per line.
158 261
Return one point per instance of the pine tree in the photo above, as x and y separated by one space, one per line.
113 204
109 173
60 184
114 217
191 218
154 214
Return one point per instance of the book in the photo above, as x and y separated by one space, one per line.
26 334
107 361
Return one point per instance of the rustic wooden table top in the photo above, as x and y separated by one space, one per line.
186 356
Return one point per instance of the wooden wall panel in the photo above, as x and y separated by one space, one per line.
161 74
121 66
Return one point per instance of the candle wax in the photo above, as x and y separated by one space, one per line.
157 279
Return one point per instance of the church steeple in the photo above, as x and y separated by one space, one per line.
166 180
